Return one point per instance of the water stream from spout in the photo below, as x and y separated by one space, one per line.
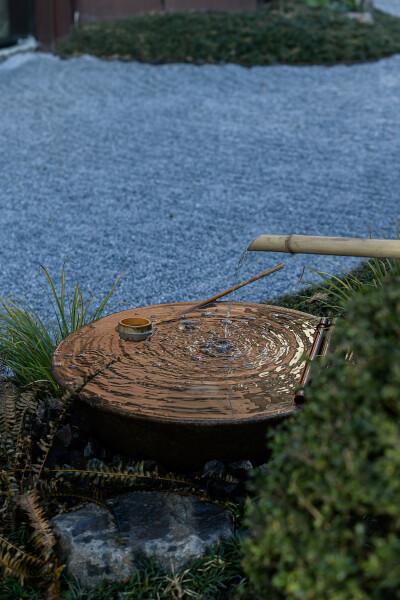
236 281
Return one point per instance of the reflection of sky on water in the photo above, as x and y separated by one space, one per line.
187 369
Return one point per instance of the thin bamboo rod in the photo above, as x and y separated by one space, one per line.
339 246
277 267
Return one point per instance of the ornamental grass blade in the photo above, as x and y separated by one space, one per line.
96 315
28 344
336 286
59 302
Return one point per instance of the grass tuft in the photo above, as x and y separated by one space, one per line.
27 343
330 295
214 576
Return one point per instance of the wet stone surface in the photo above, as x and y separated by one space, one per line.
214 468
171 528
195 370
240 469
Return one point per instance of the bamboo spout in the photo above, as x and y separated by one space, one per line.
339 246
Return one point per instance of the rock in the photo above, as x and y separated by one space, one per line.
214 468
93 449
218 489
117 459
152 465
172 528
241 501
54 409
240 469
78 439
363 13
64 436
264 469
365 18
41 412
95 464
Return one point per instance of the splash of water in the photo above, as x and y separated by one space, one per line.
236 281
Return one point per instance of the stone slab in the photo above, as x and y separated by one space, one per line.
174 529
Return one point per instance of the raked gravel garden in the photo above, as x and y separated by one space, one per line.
165 173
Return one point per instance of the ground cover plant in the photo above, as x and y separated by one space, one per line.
288 31
326 523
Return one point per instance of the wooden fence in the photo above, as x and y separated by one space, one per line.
54 18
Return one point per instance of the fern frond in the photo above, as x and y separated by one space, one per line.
133 478
15 562
52 583
80 495
12 566
9 490
42 537
45 445
206 477
8 418
26 405
117 474
65 402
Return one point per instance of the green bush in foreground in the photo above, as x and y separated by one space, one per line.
326 523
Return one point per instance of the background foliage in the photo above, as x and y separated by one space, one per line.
288 32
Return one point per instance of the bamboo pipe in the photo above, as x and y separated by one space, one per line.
339 246
277 267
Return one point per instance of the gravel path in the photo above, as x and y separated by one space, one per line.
171 171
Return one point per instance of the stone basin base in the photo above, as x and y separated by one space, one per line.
181 446
202 387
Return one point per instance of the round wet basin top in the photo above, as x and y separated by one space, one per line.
189 370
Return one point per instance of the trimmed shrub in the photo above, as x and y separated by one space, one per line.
326 522
287 31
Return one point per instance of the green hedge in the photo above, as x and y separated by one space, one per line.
280 32
326 523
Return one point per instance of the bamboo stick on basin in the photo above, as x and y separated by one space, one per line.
339 246
273 269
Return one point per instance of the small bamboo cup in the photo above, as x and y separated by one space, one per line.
135 328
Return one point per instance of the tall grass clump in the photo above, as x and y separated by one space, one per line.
330 293
340 289
27 342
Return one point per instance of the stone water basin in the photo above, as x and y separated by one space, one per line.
187 394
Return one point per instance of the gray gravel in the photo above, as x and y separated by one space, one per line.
389 6
171 171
